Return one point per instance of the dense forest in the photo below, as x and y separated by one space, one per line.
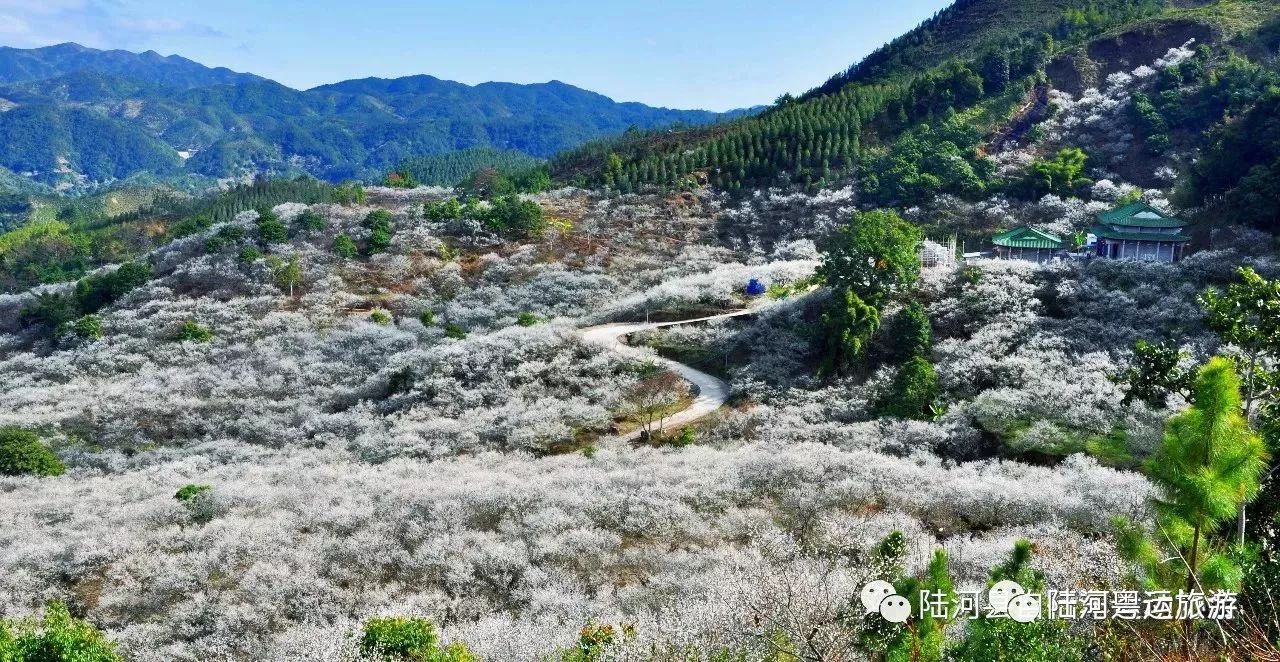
78 118
916 114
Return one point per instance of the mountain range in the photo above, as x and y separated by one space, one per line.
75 117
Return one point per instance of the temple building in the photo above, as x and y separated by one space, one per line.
1026 243
1138 232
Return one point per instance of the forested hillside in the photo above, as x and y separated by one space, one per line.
925 112
431 418
77 119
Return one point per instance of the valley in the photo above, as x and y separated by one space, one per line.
996 304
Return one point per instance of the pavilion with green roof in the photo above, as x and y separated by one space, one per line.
1027 243
1139 232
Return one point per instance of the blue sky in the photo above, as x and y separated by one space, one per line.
714 54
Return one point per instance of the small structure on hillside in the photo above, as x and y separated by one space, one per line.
1139 232
935 254
1028 243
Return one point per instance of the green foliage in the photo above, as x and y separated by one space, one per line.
345 247
1155 373
686 437
507 215
189 492
349 193
1079 24
88 327
56 638
1062 176
444 210
493 183
400 178
848 325
818 139
270 229
94 234
379 224
45 138
408 639
310 221
926 638
21 453
527 319
427 317
288 275
512 217
56 312
1151 125
1004 639
874 256
595 640
1247 315
911 332
1241 165
454 331
452 168
927 161
51 311
248 255
193 332
913 391
1208 465
99 290
380 316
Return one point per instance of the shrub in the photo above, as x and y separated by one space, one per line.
248 255
189 492
380 316
379 223
594 640
194 332
214 244
51 311
231 233
685 437
910 332
99 290
455 331
408 638
427 317
527 319
270 229
914 388
310 221
345 247
88 327
58 638
199 502
21 453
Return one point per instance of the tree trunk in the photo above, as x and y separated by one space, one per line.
1195 549
1242 517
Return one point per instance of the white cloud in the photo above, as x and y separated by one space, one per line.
13 25
95 23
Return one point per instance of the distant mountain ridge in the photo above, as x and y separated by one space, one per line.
76 117
18 65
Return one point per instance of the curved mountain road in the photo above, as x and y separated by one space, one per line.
711 391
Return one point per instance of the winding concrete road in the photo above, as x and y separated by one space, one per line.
711 392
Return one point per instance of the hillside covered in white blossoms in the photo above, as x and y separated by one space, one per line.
269 423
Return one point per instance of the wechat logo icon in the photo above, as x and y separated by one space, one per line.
880 597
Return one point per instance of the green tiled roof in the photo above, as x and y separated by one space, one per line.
1127 215
1104 232
1025 237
